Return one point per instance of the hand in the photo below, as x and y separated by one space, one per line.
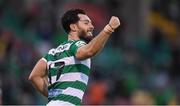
114 22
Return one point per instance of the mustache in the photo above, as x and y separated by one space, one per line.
86 35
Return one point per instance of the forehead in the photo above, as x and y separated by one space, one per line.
84 17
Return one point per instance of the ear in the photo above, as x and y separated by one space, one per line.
73 27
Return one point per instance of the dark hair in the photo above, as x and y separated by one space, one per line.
70 17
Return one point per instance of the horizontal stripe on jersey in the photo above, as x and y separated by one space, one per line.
59 55
73 92
63 85
59 103
67 98
72 61
69 91
72 68
73 76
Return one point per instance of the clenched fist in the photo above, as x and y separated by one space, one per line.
114 22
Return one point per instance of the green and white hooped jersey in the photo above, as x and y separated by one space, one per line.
67 76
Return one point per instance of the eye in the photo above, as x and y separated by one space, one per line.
86 23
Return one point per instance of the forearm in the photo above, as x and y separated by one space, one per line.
40 84
99 41
38 77
97 44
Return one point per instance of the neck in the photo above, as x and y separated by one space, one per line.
73 36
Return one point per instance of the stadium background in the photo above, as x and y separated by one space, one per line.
139 64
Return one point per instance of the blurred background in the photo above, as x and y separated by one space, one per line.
139 64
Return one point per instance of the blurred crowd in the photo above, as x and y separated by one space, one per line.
143 70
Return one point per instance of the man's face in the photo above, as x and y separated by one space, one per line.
85 28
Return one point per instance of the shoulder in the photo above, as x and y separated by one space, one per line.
75 45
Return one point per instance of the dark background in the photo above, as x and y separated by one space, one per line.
140 64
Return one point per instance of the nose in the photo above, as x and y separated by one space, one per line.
91 26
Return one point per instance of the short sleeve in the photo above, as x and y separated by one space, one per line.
76 45
45 57
49 55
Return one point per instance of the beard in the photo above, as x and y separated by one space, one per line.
85 37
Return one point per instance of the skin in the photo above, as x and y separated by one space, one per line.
81 30
38 77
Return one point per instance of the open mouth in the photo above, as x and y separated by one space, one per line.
89 33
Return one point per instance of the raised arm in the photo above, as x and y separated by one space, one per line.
94 46
38 77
